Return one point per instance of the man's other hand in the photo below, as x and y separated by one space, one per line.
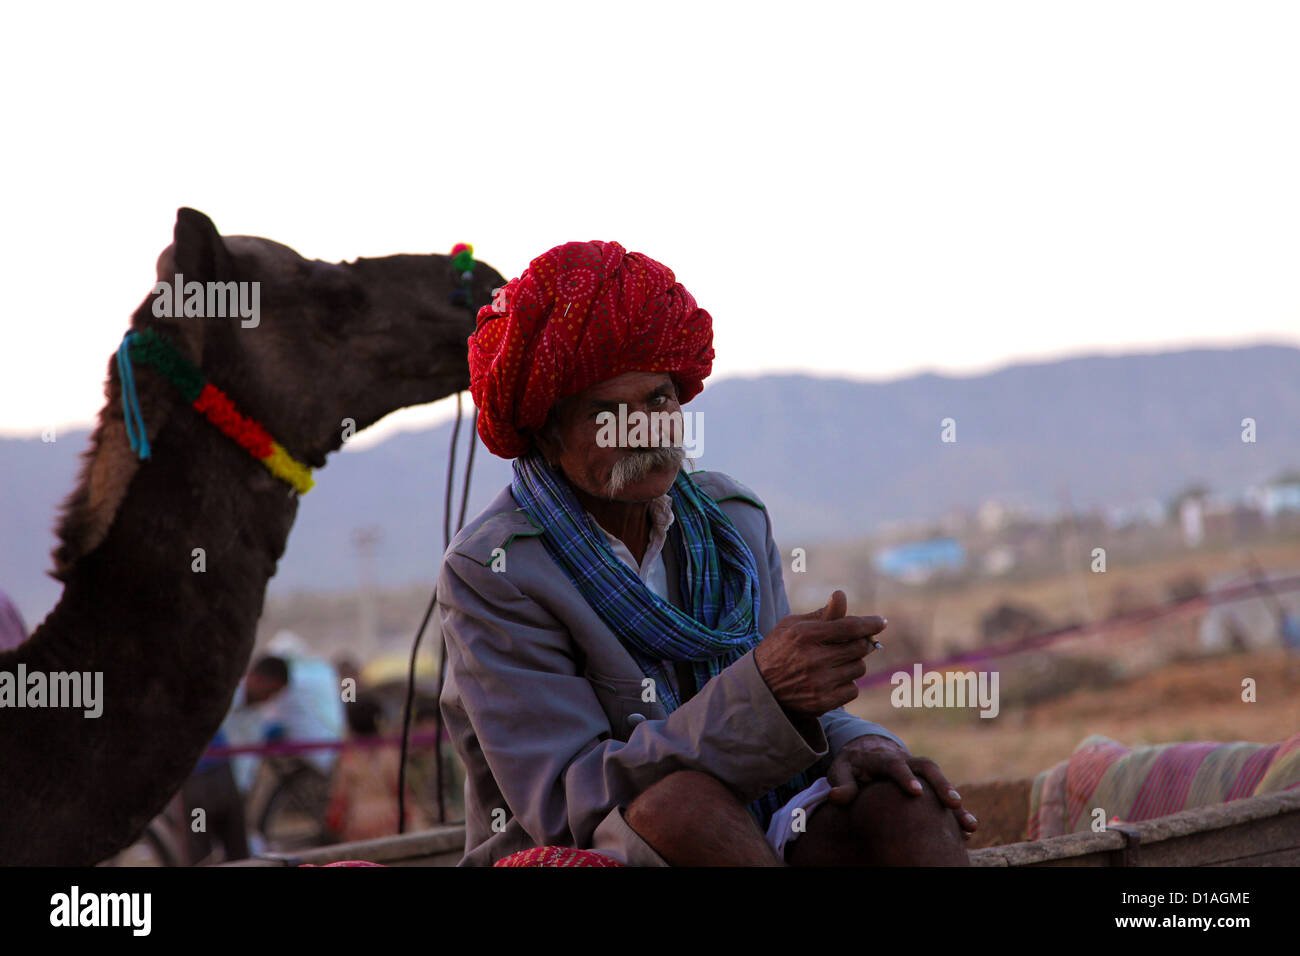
870 758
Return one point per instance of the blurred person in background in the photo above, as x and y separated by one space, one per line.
363 799
310 708
211 788
347 668
250 721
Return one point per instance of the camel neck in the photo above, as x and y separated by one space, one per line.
166 610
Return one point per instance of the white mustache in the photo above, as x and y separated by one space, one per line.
634 467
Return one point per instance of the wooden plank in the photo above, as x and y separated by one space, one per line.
1221 831
441 846
1265 827
1085 848
1223 843
1089 859
444 859
255 861
1287 857
1263 831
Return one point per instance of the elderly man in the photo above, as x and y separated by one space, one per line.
623 673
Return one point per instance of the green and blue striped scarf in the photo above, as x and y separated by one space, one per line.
719 582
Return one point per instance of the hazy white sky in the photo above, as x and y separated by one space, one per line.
862 189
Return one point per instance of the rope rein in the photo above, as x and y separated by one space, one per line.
463 262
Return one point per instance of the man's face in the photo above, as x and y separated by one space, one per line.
640 471
259 688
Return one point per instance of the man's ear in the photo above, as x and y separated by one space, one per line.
547 438
544 447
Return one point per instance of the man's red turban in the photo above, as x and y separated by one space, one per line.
581 313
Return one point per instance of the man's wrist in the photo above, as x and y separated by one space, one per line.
790 715
808 727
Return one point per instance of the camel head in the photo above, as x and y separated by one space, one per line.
313 351
336 346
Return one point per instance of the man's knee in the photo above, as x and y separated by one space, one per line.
886 796
681 792
693 819
902 826
881 805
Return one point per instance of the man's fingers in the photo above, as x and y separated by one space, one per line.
928 769
833 610
848 693
837 655
836 607
946 793
901 773
966 821
845 629
844 784
849 671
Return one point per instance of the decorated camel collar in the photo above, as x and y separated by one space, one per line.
155 351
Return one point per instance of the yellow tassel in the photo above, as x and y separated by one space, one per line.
281 464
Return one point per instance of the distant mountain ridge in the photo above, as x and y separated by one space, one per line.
831 458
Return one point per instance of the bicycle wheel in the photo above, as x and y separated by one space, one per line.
293 817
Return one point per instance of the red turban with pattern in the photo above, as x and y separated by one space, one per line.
581 313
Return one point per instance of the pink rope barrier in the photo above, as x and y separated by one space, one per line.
306 746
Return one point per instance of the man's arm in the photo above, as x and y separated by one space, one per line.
839 725
545 736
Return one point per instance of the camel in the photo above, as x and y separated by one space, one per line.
336 343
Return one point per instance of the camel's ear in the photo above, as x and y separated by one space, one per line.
198 250
197 254
108 465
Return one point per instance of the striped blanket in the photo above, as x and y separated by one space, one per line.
1131 784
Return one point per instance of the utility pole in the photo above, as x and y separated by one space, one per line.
365 540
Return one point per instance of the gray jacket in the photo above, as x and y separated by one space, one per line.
545 706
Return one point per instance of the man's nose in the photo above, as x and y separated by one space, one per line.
640 435
660 428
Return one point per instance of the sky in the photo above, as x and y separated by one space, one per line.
867 190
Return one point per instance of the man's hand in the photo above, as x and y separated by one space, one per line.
811 661
864 759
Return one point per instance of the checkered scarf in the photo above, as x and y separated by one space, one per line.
719 580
